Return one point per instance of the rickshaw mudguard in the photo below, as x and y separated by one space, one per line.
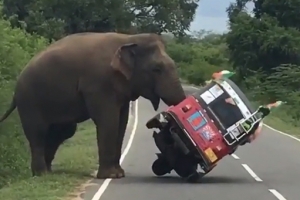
157 121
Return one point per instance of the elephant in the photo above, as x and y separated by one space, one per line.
91 76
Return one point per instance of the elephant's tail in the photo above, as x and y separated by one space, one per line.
11 108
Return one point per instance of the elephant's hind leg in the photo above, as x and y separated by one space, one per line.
56 135
35 130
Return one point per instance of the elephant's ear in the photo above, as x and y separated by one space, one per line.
123 60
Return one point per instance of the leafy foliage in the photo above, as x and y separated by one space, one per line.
200 57
16 48
54 19
265 47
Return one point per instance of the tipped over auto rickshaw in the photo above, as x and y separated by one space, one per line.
204 128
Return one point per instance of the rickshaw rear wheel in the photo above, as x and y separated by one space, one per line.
161 167
184 169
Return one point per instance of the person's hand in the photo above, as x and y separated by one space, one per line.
256 133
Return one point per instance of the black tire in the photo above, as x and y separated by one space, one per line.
161 167
185 172
184 169
195 177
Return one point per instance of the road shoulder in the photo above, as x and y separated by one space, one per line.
95 187
74 163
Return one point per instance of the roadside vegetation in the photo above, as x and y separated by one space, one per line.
262 48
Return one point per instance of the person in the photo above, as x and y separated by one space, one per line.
264 111
256 133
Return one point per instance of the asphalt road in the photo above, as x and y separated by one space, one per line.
267 169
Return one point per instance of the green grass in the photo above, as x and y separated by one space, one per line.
283 126
281 120
75 161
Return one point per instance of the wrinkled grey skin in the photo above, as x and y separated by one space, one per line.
91 76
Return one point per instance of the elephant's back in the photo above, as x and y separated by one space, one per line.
73 57
51 78
89 40
52 84
77 51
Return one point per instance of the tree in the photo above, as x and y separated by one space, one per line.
199 55
265 49
53 19
286 12
262 41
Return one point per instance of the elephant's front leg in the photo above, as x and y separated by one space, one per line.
105 114
123 120
107 146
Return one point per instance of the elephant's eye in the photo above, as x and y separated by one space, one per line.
157 69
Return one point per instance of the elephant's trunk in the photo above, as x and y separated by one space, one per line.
171 93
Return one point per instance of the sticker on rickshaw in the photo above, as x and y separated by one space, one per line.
207 97
207 132
211 155
216 91
197 120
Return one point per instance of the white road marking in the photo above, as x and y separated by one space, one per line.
282 133
251 172
277 194
235 156
106 182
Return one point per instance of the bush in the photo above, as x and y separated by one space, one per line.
199 58
16 49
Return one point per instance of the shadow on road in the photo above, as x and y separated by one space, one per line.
223 179
179 180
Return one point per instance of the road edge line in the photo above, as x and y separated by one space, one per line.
283 133
106 182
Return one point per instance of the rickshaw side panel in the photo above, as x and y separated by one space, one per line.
201 129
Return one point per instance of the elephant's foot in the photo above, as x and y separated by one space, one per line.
38 168
49 164
111 172
120 171
49 168
39 172
48 161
